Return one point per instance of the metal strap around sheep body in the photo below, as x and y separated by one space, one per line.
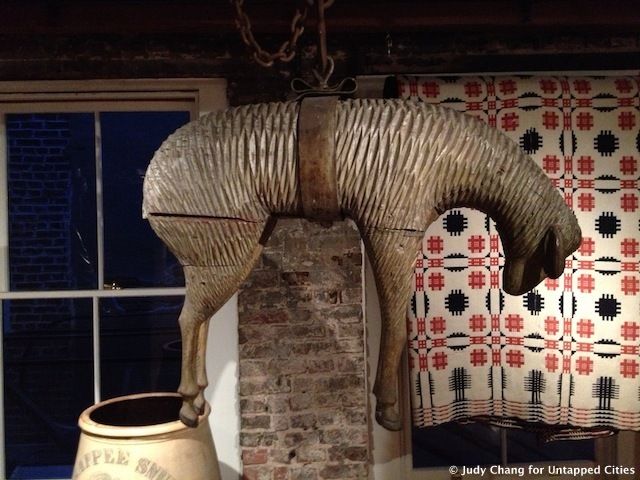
316 159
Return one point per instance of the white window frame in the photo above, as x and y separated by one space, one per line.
198 96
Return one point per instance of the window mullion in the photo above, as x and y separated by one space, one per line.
4 208
99 201
4 274
100 259
95 307
504 448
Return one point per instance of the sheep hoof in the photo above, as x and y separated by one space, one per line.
388 417
188 416
199 403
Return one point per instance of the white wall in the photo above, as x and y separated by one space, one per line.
387 448
222 393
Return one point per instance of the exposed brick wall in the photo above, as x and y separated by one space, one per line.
40 209
39 213
303 397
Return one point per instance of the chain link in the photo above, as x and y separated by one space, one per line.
287 50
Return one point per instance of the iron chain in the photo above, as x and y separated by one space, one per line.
287 50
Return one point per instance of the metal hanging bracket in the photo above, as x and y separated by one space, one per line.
286 52
347 86
316 159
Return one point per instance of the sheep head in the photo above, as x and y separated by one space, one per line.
523 273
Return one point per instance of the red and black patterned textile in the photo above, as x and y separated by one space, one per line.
566 355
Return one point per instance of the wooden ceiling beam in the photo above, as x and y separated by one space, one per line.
73 17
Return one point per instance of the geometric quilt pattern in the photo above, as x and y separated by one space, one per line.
564 357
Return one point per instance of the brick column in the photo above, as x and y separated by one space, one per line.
303 398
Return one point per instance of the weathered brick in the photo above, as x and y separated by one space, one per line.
259 300
336 470
350 345
301 401
278 404
344 436
257 473
355 416
353 330
253 368
320 365
304 473
262 279
352 296
299 297
253 405
295 439
328 399
344 313
296 278
281 473
256 439
255 456
302 352
350 400
290 366
254 334
335 383
352 471
340 453
266 316
264 385
326 418
248 439
271 256
311 453
316 347
255 421
349 364
259 350
280 423
318 330
305 421
329 297
283 455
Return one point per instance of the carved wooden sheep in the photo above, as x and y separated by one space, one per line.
215 188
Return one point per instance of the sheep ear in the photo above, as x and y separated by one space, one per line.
553 262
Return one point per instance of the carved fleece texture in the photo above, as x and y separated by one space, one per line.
396 162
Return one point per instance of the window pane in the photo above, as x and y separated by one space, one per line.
134 256
455 444
525 447
51 186
478 444
48 383
140 345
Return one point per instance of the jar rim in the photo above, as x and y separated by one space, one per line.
124 410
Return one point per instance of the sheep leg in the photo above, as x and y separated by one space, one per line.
201 368
217 254
208 288
392 254
192 317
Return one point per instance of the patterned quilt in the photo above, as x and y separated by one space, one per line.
564 357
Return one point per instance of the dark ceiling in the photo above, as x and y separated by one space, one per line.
75 39
48 17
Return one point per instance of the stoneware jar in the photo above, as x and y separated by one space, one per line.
141 437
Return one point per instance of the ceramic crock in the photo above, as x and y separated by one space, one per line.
140 437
